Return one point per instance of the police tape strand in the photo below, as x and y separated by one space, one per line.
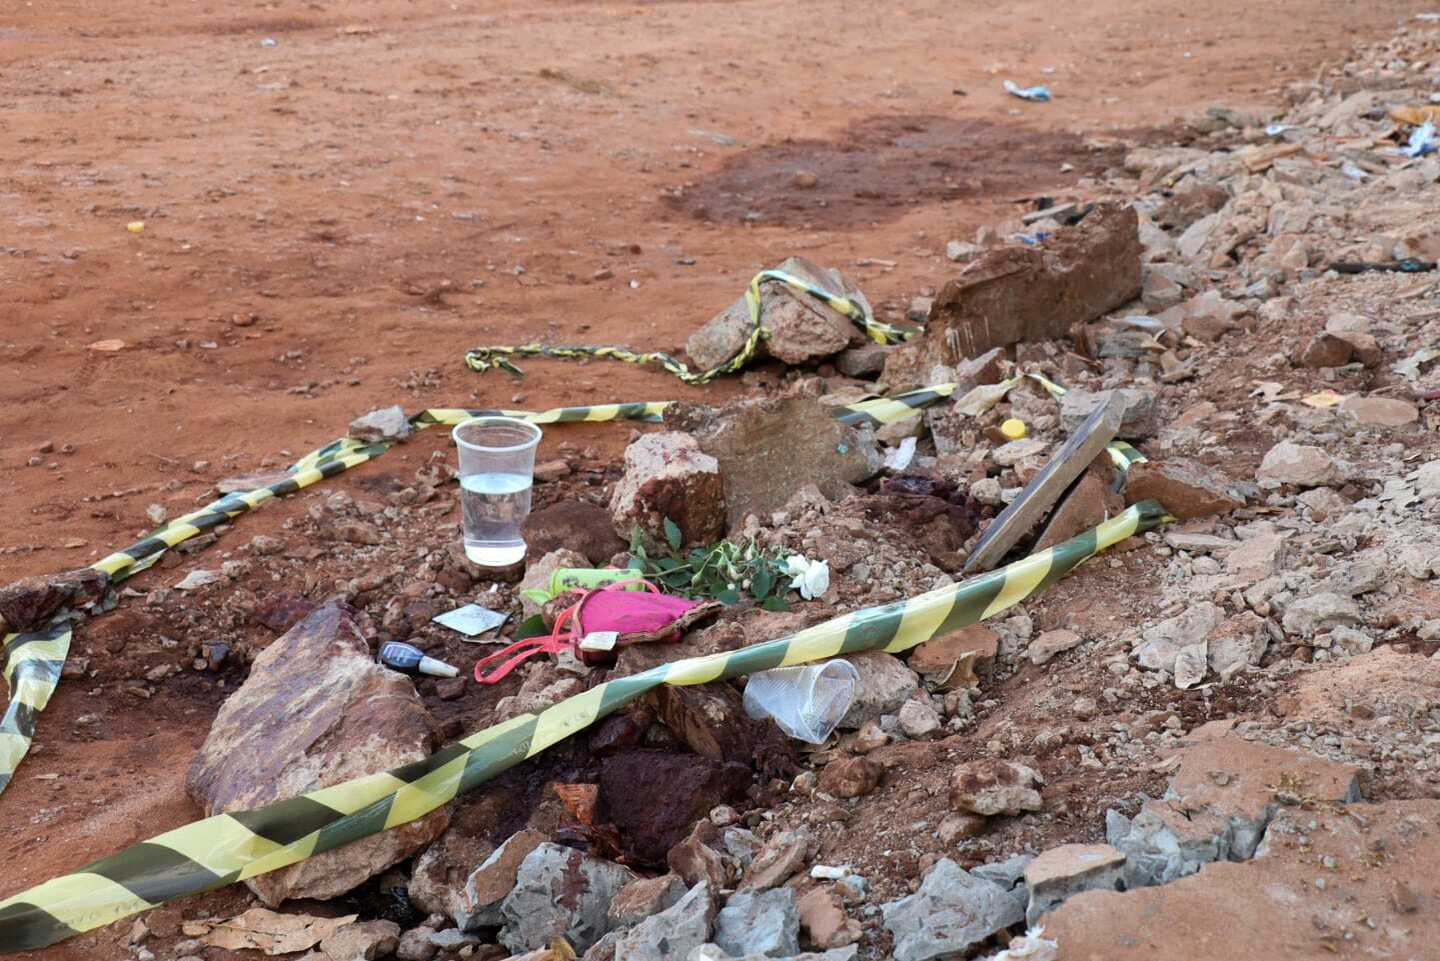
34 660
481 359
226 848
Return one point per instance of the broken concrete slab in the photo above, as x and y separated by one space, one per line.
1012 294
1060 873
316 710
668 476
951 911
1083 446
769 448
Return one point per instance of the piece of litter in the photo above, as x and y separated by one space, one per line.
827 872
269 42
1034 239
136 226
108 346
899 458
197 579
261 929
1422 141
1276 129
471 620
810 578
1322 399
1014 428
409 659
599 641
1409 368
1353 171
1038 94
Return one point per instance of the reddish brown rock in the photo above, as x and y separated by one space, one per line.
641 898
1186 488
1325 350
1091 500
782 857
667 476
696 861
1379 411
30 603
316 710
1364 347
850 777
941 653
1185 207
573 524
1008 295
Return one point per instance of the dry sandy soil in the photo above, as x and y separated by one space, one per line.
332 219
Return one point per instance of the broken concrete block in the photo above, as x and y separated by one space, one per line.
379 426
1186 488
560 892
767 449
1012 294
952 911
316 710
1061 872
668 476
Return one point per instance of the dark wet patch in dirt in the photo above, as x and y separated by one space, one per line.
879 167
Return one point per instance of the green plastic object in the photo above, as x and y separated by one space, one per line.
581 578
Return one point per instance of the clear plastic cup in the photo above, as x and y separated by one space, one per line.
497 470
807 701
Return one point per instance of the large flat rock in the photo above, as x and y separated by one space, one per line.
316 710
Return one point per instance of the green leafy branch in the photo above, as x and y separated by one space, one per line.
724 572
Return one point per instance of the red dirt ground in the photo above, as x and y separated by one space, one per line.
332 220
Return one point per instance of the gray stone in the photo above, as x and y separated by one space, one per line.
488 884
1050 643
453 939
640 899
415 945
1427 479
885 684
864 361
1241 640
1140 417
1308 615
379 426
990 786
437 882
918 719
759 923
1300 464
1161 644
316 710
560 892
673 933
1063 872
952 911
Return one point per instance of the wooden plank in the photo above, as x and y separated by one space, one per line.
1045 488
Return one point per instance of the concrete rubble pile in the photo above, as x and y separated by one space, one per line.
1226 730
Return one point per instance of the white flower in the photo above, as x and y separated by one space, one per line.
810 578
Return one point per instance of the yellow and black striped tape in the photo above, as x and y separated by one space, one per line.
225 848
32 684
481 359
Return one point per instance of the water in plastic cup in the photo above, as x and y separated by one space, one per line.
806 702
497 469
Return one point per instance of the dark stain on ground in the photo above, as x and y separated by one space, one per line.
881 166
